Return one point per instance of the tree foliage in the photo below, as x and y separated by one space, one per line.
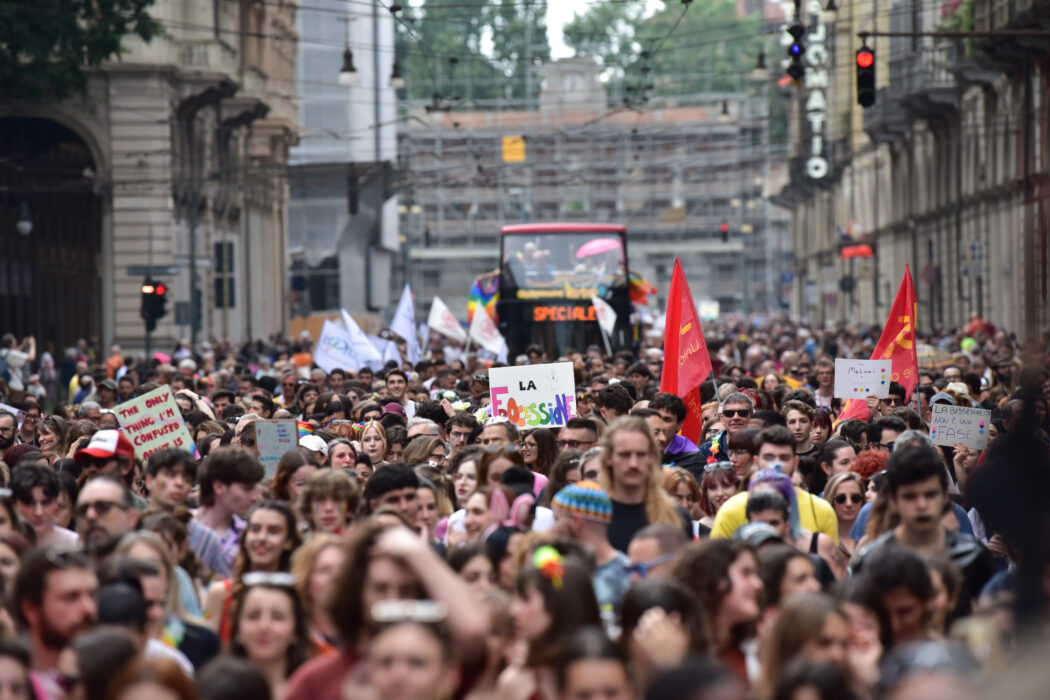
492 46
45 45
711 49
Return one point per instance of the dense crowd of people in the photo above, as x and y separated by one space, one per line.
414 546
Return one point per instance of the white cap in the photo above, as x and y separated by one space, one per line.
314 443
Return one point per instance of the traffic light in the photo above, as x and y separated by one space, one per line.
796 69
865 76
725 232
154 303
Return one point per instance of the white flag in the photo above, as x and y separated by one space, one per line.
364 352
606 315
404 324
335 349
388 350
442 321
485 333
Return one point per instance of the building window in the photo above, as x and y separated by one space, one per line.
223 276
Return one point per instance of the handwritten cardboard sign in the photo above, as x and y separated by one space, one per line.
534 396
18 413
274 438
153 422
959 425
858 379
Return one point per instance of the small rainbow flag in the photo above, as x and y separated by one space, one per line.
641 288
305 429
484 295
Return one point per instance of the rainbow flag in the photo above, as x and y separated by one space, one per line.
484 295
305 429
641 288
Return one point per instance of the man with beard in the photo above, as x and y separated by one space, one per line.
105 513
54 603
8 431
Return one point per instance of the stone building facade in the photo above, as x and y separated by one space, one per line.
947 172
189 132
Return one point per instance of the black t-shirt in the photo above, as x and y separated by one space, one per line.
628 519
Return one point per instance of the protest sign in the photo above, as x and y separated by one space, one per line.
274 438
857 379
18 413
153 422
534 395
959 425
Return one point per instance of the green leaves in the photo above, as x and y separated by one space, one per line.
45 45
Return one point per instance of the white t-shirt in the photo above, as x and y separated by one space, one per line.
16 360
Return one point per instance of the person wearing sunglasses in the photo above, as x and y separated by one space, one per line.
883 434
653 549
105 512
897 396
736 413
845 492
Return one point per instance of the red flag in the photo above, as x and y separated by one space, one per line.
898 344
686 360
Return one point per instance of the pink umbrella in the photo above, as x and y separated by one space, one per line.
164 358
597 247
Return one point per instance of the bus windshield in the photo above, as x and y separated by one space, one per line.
562 265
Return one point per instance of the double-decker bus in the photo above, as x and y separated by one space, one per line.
548 274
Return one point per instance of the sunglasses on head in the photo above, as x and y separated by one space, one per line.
853 498
715 466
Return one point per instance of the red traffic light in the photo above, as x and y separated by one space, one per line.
160 290
865 58
725 227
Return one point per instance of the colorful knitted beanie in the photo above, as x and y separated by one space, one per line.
586 499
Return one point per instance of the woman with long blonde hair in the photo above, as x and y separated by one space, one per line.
632 476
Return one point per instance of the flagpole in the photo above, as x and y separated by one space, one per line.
608 347
715 382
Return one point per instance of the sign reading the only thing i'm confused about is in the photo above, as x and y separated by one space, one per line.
534 396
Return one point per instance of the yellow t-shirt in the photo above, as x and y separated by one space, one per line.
815 514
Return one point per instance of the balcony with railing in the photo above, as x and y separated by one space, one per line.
922 82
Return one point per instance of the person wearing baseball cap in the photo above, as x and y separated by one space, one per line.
583 511
109 453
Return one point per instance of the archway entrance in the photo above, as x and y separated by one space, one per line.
51 234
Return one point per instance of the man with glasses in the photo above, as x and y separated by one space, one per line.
577 434
54 601
459 426
27 433
289 389
105 512
881 407
109 453
883 433
653 549
735 412
952 373
775 449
